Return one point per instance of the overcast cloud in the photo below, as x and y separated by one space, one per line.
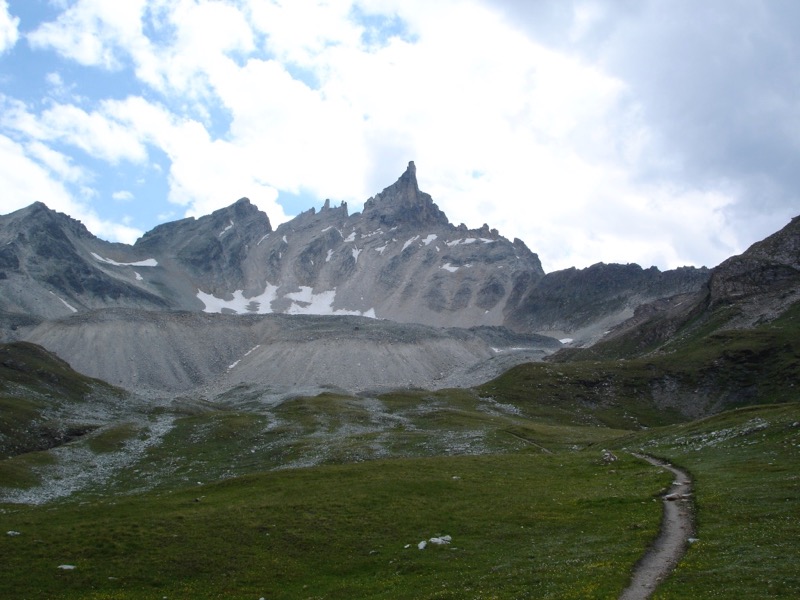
650 131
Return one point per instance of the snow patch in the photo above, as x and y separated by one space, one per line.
150 262
330 254
265 236
462 241
328 228
307 302
261 304
226 230
246 354
511 349
409 242
138 277
431 237
381 249
351 237
566 340
449 267
466 241
67 304
285 241
356 252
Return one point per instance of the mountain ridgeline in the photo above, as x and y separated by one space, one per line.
400 259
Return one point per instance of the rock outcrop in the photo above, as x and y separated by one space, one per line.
770 267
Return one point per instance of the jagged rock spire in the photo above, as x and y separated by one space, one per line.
402 203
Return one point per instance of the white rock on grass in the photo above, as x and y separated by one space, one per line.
439 541
13 533
66 567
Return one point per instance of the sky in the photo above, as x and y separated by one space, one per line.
660 132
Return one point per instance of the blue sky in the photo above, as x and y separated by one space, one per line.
659 132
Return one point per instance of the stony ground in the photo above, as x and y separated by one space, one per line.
181 351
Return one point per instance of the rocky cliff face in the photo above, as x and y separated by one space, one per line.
50 265
771 266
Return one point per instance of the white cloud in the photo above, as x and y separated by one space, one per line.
204 174
58 163
521 124
93 132
9 33
201 39
298 32
122 196
91 32
26 182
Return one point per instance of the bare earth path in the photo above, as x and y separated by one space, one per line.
677 526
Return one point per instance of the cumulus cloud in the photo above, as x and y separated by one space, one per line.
9 32
205 174
26 181
91 32
122 196
714 86
593 131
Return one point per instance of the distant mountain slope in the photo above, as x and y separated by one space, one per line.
50 265
44 403
585 303
753 288
734 342
762 281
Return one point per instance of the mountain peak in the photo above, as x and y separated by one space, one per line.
406 187
402 203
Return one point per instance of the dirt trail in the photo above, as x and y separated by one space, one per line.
677 526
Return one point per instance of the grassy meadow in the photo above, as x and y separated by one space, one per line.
746 464
329 496
529 525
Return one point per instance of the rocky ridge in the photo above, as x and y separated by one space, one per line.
400 259
744 291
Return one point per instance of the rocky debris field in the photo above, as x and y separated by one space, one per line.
176 352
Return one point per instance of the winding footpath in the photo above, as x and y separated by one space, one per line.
677 527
